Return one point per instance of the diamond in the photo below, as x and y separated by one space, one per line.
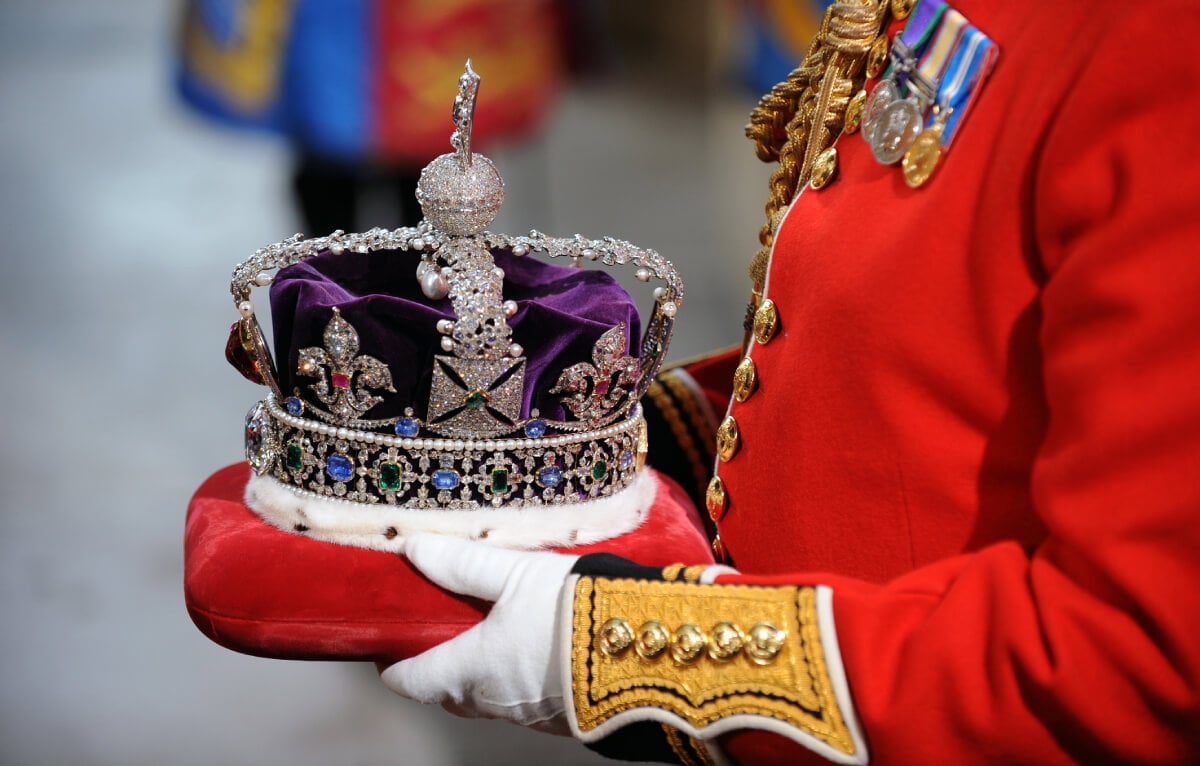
626 460
550 477
389 477
599 469
340 380
339 467
294 406
258 439
499 481
535 429
295 457
407 427
445 479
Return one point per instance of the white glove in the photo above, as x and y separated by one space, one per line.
507 666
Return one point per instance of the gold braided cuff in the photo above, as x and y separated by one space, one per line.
709 659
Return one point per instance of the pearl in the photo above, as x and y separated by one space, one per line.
262 279
447 344
643 275
246 309
660 293
510 308
337 248
417 243
433 285
515 350
589 253
445 326
669 308
519 250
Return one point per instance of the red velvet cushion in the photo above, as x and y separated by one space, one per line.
255 589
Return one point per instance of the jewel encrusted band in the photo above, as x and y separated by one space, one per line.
314 458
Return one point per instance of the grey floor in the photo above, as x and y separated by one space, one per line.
122 216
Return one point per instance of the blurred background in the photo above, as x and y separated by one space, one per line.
132 181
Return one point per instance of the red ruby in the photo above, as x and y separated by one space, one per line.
241 359
602 388
341 380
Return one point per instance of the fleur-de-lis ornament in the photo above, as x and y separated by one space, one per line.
594 391
343 377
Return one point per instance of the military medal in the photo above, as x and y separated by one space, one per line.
904 53
973 58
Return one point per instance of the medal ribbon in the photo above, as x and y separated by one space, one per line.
973 60
924 20
945 44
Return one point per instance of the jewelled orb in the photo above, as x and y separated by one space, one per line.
460 198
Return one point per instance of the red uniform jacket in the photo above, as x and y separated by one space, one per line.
979 421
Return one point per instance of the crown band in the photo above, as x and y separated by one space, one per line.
317 459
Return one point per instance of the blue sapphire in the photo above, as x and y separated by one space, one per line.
339 467
294 406
535 429
626 460
407 427
445 479
550 477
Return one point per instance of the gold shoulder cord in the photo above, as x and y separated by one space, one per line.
702 653
802 115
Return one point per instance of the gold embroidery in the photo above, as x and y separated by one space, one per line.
692 573
676 743
670 573
670 413
795 688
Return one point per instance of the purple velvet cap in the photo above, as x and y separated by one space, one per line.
561 314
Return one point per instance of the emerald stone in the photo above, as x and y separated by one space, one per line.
389 477
599 469
476 399
295 457
499 481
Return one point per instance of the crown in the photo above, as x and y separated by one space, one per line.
403 387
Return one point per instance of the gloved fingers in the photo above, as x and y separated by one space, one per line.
463 566
438 675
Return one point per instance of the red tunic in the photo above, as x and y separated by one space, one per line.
990 391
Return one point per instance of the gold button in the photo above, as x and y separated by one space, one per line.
715 499
854 112
745 379
878 55
652 640
615 637
824 168
719 550
901 8
764 642
766 322
725 640
687 643
728 439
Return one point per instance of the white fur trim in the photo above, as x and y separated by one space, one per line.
833 662
364 526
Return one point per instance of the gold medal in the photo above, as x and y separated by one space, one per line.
878 56
922 157
854 112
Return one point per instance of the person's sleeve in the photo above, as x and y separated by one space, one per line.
1085 648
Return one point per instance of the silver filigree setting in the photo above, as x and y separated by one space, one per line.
344 377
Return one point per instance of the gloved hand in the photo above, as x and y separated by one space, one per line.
507 666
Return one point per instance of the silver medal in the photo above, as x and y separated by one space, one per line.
881 97
897 127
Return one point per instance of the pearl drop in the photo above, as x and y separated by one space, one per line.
515 350
589 253
510 308
519 250
643 275
246 309
433 285
445 326
660 293
447 344
262 279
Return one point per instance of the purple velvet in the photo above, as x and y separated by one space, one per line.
562 312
